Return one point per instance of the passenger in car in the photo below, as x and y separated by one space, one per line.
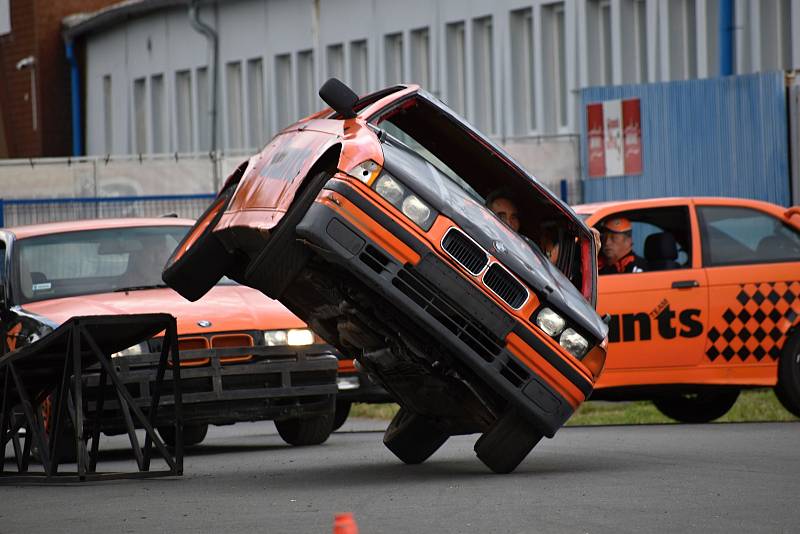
616 252
499 201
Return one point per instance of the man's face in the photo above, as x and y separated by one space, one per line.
507 212
615 245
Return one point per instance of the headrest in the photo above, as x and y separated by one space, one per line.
660 246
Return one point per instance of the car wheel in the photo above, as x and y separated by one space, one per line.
788 388
283 257
701 407
503 447
192 434
200 259
341 413
413 438
305 431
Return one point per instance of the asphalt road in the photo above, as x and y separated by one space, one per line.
659 478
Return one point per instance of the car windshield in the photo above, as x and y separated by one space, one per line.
94 261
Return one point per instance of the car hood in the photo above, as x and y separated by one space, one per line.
523 259
226 307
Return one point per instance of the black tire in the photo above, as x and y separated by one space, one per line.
413 438
341 413
701 407
283 257
305 431
503 447
200 259
192 434
788 388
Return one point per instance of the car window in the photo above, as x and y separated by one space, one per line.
738 236
93 261
661 237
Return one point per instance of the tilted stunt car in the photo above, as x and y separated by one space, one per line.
368 221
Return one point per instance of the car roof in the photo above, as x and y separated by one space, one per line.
598 207
33 230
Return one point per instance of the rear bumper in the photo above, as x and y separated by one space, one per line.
446 307
278 383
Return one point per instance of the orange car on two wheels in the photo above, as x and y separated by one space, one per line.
716 310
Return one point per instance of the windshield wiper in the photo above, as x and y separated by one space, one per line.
138 288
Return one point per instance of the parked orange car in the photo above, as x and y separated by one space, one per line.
369 222
247 358
716 310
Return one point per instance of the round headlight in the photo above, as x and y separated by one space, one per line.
300 336
274 338
574 343
390 189
416 210
549 321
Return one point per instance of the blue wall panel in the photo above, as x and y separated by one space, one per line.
714 137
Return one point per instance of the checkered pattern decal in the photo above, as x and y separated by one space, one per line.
757 323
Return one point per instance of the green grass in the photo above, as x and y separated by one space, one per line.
752 405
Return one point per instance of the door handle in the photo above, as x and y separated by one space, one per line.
685 284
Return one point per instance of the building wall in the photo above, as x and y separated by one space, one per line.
36 31
716 137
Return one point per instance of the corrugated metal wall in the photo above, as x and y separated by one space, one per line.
711 137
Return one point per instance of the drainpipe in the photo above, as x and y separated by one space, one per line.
726 9
211 35
75 97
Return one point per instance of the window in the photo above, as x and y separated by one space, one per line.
738 236
421 57
306 88
108 114
682 39
284 108
522 71
183 110
661 237
158 114
255 103
233 77
776 36
456 67
203 110
555 65
140 116
359 79
598 26
712 39
393 53
634 41
335 61
483 73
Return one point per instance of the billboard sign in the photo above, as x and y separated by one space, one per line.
614 135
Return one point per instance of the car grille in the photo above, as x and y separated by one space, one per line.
462 249
505 286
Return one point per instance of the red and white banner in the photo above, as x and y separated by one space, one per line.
614 138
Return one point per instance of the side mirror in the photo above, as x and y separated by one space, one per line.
340 97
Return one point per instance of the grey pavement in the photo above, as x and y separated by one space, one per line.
243 478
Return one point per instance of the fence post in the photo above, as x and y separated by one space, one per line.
2 213
564 190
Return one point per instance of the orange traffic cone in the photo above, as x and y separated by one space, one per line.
344 524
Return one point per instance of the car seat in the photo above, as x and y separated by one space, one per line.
661 252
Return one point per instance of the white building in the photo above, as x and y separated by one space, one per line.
512 67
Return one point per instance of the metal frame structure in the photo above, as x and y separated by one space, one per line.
53 366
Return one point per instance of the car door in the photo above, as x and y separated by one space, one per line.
657 316
752 260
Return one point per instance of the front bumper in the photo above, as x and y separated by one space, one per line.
277 383
356 386
446 306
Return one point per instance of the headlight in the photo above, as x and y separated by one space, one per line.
300 336
274 338
141 348
390 189
574 343
549 321
405 200
416 210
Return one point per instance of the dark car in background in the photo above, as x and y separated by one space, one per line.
368 221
